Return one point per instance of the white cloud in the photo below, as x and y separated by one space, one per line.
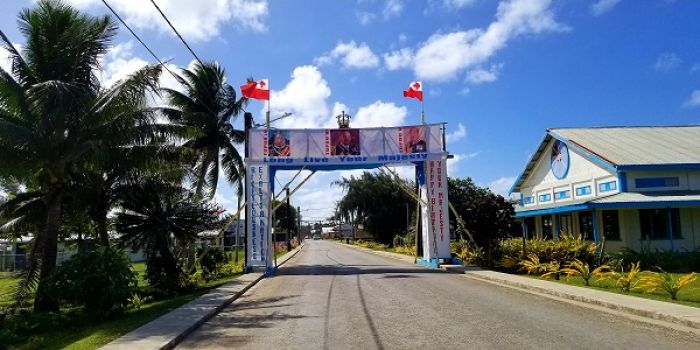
119 62
480 76
465 91
379 114
392 8
667 61
456 135
444 55
196 20
305 96
365 18
603 6
351 55
501 185
694 99
457 4
400 59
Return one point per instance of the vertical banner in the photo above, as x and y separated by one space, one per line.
258 215
436 228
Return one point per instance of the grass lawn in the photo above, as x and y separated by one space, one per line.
70 329
689 295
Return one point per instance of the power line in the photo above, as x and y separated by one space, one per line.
176 32
134 34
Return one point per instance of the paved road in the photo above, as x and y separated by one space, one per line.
335 297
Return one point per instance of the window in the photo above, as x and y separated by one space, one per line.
585 225
582 191
545 197
530 227
611 225
607 186
529 200
654 223
547 227
651 182
562 194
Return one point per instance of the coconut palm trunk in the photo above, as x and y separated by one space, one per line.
44 301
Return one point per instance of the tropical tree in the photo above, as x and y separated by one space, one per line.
486 215
377 202
56 118
157 216
209 106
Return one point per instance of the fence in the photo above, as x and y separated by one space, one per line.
17 262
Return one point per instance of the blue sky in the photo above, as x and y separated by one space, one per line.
499 72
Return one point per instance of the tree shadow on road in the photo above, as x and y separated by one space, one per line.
335 270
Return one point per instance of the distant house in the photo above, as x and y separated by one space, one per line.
634 186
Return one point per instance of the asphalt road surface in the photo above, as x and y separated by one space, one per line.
334 297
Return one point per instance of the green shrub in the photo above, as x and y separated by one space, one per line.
657 259
165 276
563 250
101 281
211 262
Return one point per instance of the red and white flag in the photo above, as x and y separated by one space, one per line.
415 90
259 90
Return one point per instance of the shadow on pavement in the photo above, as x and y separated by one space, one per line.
335 270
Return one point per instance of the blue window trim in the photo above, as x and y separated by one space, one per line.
545 197
607 186
652 182
562 194
529 200
583 190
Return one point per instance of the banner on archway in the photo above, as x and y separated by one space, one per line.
346 147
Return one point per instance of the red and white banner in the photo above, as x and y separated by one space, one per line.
436 225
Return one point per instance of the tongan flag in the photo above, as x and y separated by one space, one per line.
259 90
415 90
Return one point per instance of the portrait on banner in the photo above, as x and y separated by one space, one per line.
413 138
345 142
279 144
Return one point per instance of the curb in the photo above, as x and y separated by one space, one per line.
655 315
473 273
129 340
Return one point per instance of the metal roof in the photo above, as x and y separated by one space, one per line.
645 145
649 197
633 146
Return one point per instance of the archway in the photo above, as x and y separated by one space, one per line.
271 149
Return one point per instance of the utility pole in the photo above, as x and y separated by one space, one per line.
289 227
298 225
247 124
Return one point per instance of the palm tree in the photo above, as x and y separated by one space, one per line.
156 216
209 105
56 119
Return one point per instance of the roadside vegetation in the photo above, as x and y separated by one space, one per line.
666 276
125 167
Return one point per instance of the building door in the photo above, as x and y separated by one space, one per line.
565 224
585 225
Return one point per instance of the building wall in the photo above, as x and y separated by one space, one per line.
582 172
688 180
631 234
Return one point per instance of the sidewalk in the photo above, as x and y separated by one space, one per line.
170 329
658 310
